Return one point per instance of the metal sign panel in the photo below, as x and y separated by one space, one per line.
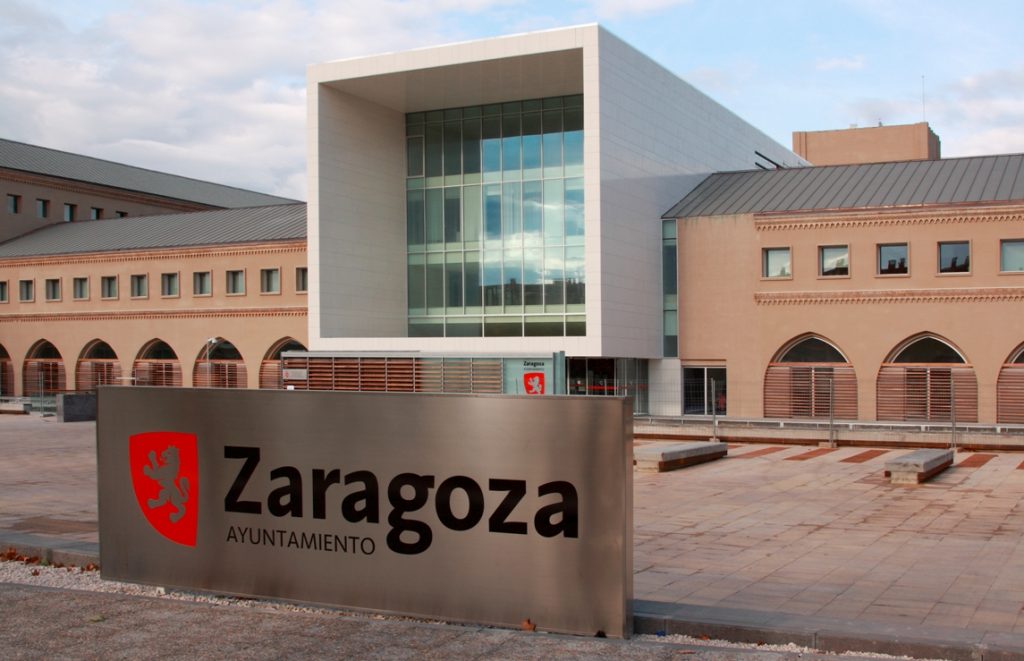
486 509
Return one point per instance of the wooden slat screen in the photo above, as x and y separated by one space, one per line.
43 376
158 373
219 374
802 390
1010 394
97 372
6 378
396 374
924 393
270 375
487 375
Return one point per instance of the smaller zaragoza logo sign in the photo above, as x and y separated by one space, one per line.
165 475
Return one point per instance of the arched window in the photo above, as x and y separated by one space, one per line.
1010 389
219 365
97 366
270 368
43 373
926 378
156 365
6 373
810 378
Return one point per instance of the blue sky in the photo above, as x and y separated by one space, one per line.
215 88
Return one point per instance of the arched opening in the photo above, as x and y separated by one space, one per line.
219 365
6 373
925 378
156 365
43 373
97 366
270 368
1010 389
810 378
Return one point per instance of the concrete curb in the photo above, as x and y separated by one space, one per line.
50 550
825 634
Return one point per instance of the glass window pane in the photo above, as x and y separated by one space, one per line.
471 146
435 286
511 213
453 284
464 327
834 260
492 212
472 276
452 215
531 145
415 233
434 150
573 141
668 268
544 327
426 328
492 144
775 263
892 259
492 278
1011 255
575 287
417 288
552 143
954 257
435 215
554 210
503 326
554 276
453 148
511 143
532 214
513 277
573 210
533 277
694 393
471 213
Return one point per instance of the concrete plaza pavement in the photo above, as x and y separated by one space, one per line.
774 543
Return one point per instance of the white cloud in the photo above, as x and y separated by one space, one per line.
854 63
212 89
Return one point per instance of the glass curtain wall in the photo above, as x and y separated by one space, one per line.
494 201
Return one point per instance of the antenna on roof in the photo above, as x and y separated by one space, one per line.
924 116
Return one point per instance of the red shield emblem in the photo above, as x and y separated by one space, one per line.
165 475
533 383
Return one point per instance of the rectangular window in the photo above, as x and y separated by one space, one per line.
26 291
80 287
202 283
955 257
833 261
3 291
108 286
13 203
69 212
235 282
776 263
270 281
301 279
42 208
53 289
892 259
140 286
168 284
1011 255
121 214
95 213
704 391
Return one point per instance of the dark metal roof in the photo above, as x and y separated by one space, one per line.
173 230
905 183
54 163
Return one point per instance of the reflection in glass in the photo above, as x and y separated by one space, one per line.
775 263
954 257
892 259
834 260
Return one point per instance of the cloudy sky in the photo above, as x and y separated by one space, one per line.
215 89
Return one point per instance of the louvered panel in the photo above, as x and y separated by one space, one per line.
321 374
925 393
428 375
400 374
6 378
83 376
99 372
346 374
270 375
458 375
373 374
805 391
487 375
43 376
157 373
1010 395
295 364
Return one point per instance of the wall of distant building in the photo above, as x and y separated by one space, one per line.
873 144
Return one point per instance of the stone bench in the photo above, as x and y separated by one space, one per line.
918 466
661 457
19 408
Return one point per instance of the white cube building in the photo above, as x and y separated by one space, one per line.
502 198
